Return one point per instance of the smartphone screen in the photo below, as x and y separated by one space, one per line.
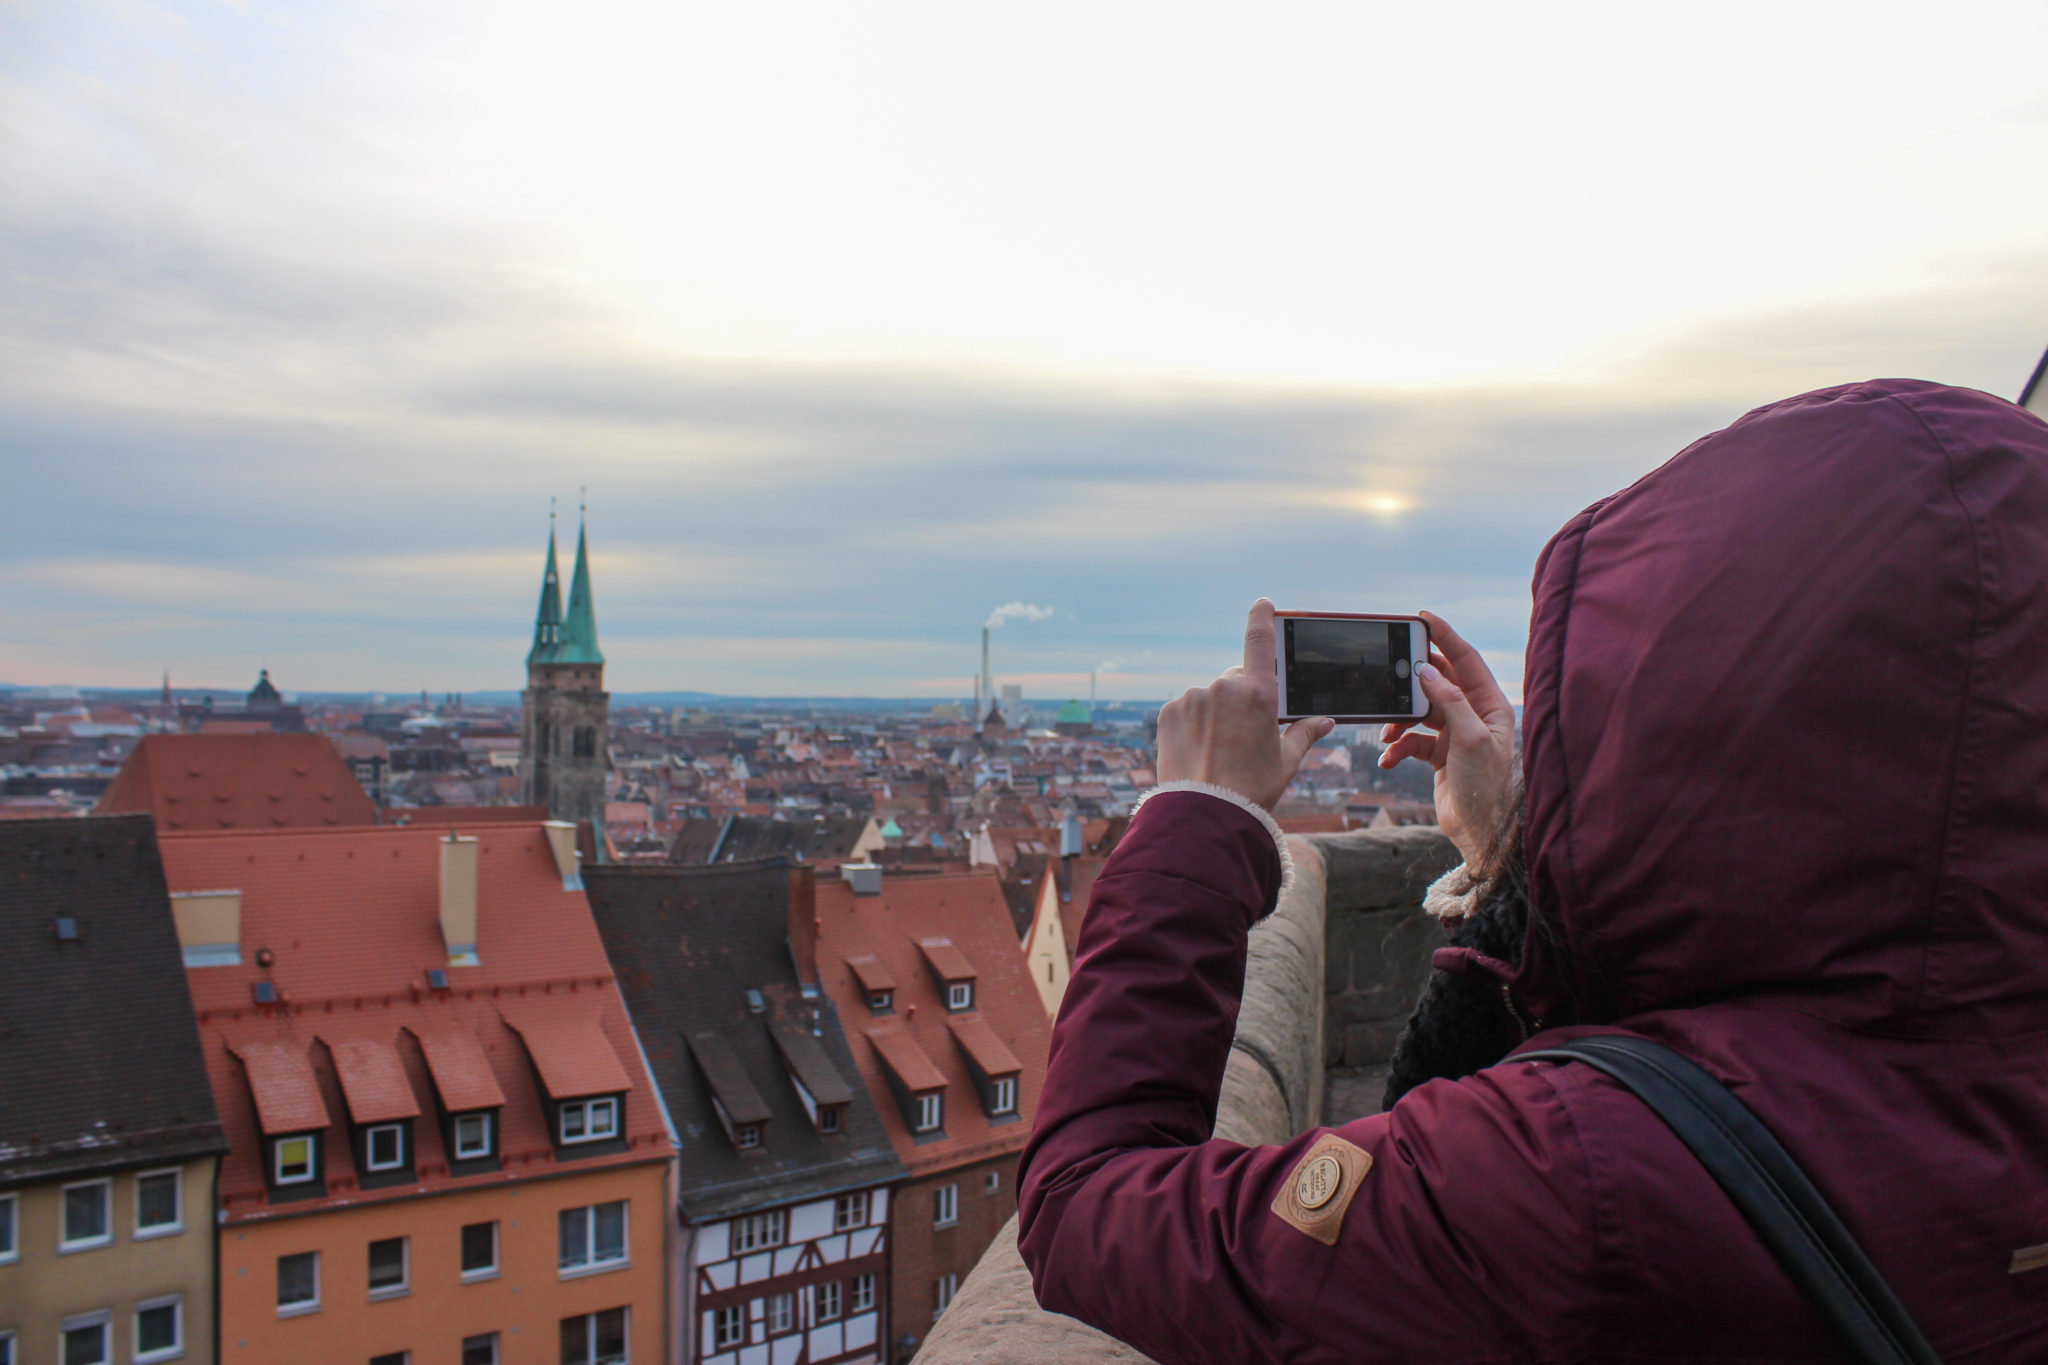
1338 667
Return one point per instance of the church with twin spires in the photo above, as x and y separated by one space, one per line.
565 711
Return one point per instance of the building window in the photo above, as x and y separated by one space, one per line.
294 1164
595 1338
863 1293
87 1340
479 1251
747 1135
943 1292
828 1118
850 1211
481 1349
931 1112
384 1147
6 1348
387 1267
159 1330
1002 1095
959 995
945 1206
392 1358
593 1237
159 1203
729 1326
781 1312
10 1244
881 1002
828 1301
759 1230
298 1283
590 1120
88 1220
472 1136
992 1183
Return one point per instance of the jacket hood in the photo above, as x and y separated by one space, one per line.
1786 724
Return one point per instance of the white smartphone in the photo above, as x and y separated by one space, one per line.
1350 666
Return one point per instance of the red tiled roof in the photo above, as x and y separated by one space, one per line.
901 1054
568 1048
980 1042
372 1080
259 781
444 817
873 975
968 909
947 960
461 1072
283 1086
352 919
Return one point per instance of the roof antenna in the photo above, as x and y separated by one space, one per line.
582 503
551 514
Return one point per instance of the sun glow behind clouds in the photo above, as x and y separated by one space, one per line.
1333 193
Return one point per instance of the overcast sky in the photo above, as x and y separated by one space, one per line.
859 321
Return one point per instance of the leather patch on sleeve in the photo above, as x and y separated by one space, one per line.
2029 1258
1318 1190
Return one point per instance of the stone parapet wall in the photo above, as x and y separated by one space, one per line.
1333 973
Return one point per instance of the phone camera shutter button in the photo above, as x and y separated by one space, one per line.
1400 668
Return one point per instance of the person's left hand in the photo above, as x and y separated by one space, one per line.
1228 733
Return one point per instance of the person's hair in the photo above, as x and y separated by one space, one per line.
1464 1024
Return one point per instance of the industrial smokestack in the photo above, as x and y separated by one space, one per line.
988 687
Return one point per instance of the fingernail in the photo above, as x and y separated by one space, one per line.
1428 670
1326 726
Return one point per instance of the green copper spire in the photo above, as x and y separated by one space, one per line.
579 627
547 624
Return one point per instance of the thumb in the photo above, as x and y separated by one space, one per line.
1297 739
1451 711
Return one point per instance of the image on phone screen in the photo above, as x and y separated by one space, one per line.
1347 668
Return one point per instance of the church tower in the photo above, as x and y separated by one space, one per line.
565 721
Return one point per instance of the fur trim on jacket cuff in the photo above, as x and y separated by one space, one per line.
1454 895
1243 802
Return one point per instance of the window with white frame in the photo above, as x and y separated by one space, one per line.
472 1136
850 1211
747 1135
590 1120
863 1293
959 995
292 1160
945 1206
384 1147
830 1117
592 1237
159 1329
388 1268
88 1215
943 1292
880 1002
86 1339
828 1301
729 1326
759 1230
931 1112
781 1312
479 1250
992 1183
10 1234
159 1203
298 1283
1002 1095
481 1349
595 1338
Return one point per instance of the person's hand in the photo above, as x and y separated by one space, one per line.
1228 733
1473 749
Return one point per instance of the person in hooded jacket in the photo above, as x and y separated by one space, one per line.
1783 806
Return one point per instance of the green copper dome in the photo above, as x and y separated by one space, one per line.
1074 713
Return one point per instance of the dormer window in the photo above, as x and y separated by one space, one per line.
1003 1095
473 1134
589 1120
931 1112
294 1159
747 1135
952 970
881 1002
384 1147
830 1118
959 995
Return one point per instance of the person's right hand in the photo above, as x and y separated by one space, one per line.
1473 749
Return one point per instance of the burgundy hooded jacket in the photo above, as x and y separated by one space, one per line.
1786 765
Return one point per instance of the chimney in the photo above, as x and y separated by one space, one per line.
562 844
803 926
209 927
458 899
988 687
864 878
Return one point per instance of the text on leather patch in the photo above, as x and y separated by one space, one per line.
2029 1258
1319 1189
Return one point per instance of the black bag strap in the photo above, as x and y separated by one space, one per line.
1767 1185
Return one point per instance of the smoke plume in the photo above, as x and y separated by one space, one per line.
1012 610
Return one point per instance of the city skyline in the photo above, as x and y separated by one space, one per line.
854 337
